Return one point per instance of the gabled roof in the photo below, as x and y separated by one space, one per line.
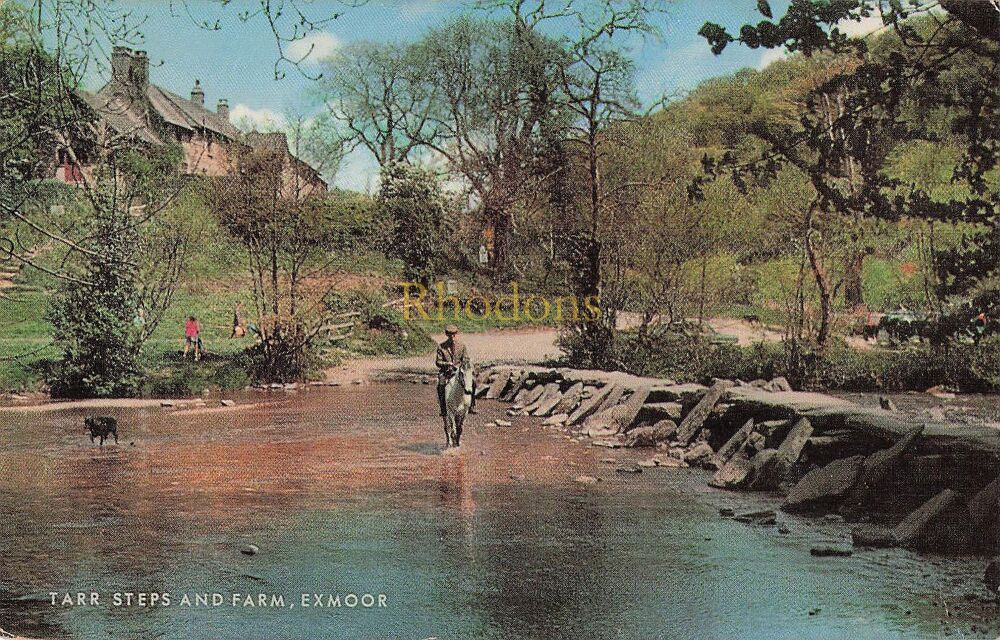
187 114
122 116
127 113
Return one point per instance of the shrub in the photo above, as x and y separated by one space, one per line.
692 358
94 323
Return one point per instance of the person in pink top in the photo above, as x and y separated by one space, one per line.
192 337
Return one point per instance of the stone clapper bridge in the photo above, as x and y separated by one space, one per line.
922 485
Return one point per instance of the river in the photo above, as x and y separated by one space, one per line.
345 491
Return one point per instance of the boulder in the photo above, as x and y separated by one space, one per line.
940 524
228 403
695 419
629 410
653 412
548 404
618 418
887 403
765 471
791 447
628 469
874 536
614 397
669 461
499 385
734 474
984 506
610 443
734 443
650 436
992 575
777 385
518 380
765 518
529 396
570 399
556 419
770 467
699 454
549 391
825 486
876 469
586 480
589 406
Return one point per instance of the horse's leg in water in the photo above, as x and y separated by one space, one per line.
447 431
459 419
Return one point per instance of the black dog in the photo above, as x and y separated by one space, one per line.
102 427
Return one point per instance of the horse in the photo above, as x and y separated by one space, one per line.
457 400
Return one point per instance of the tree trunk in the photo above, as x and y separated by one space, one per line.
853 282
824 292
501 224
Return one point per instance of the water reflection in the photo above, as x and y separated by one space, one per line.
348 491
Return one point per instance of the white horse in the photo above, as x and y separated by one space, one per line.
457 401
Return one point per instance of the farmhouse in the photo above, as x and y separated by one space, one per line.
132 108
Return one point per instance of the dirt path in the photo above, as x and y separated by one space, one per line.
523 346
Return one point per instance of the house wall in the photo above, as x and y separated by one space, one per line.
207 157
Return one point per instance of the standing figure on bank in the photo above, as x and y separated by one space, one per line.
192 338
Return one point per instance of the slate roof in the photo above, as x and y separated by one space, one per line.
127 114
186 114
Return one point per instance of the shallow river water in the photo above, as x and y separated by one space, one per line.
345 491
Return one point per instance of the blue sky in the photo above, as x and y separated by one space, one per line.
237 62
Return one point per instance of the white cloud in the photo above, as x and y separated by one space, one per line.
864 27
771 56
314 47
247 118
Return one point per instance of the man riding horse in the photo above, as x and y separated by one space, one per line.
451 356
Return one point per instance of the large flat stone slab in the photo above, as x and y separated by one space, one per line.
695 419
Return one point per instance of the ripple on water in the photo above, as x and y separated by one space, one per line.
347 489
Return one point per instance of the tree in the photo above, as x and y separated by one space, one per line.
901 91
377 94
495 83
292 238
112 298
596 83
411 198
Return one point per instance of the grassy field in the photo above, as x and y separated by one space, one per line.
25 343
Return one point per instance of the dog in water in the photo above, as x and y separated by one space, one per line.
102 427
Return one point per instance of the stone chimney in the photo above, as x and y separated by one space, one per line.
223 109
197 94
129 67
